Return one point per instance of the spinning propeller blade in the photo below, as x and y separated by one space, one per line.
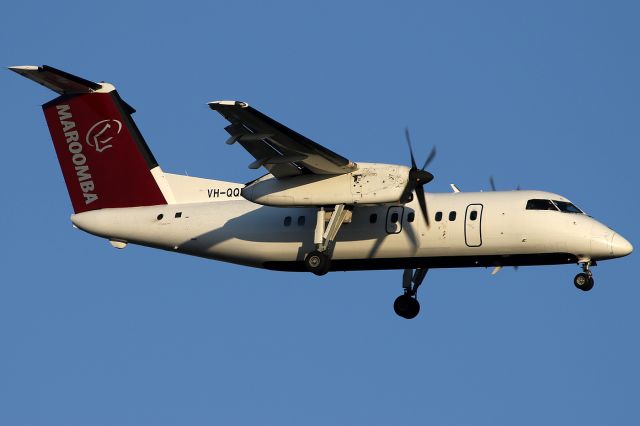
423 205
493 184
418 178
413 160
430 158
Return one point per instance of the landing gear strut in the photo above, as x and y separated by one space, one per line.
584 280
319 260
407 305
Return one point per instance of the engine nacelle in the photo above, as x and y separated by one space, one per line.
370 183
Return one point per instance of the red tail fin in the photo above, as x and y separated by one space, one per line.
104 158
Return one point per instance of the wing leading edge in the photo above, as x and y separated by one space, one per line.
282 151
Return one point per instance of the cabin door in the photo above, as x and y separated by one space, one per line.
394 219
473 225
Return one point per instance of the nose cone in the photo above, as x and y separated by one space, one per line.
619 246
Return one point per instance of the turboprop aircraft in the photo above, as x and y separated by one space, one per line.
313 211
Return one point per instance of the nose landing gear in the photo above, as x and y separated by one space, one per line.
584 280
407 305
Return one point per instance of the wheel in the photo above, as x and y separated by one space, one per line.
406 306
583 281
590 284
317 262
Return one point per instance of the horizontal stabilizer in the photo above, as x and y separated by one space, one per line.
59 81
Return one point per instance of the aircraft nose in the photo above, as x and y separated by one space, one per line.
619 246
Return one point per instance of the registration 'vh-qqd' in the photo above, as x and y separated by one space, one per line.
313 211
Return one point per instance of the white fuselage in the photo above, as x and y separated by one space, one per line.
501 232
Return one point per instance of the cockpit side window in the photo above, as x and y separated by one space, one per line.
567 207
536 204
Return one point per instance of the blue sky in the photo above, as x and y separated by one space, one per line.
541 94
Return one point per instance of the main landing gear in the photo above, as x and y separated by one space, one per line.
584 280
407 305
319 260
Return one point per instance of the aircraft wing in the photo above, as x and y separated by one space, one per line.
282 151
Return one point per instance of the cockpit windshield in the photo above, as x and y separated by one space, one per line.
567 207
555 205
541 205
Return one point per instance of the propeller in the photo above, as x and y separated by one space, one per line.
493 184
418 178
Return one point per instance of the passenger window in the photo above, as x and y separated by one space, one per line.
438 216
301 220
452 216
540 205
373 218
411 216
394 217
287 221
473 215
178 215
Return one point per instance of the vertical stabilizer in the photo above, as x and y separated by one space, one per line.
104 158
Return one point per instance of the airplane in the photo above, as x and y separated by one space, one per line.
314 210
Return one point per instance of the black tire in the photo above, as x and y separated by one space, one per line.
583 281
406 306
327 267
590 284
317 263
